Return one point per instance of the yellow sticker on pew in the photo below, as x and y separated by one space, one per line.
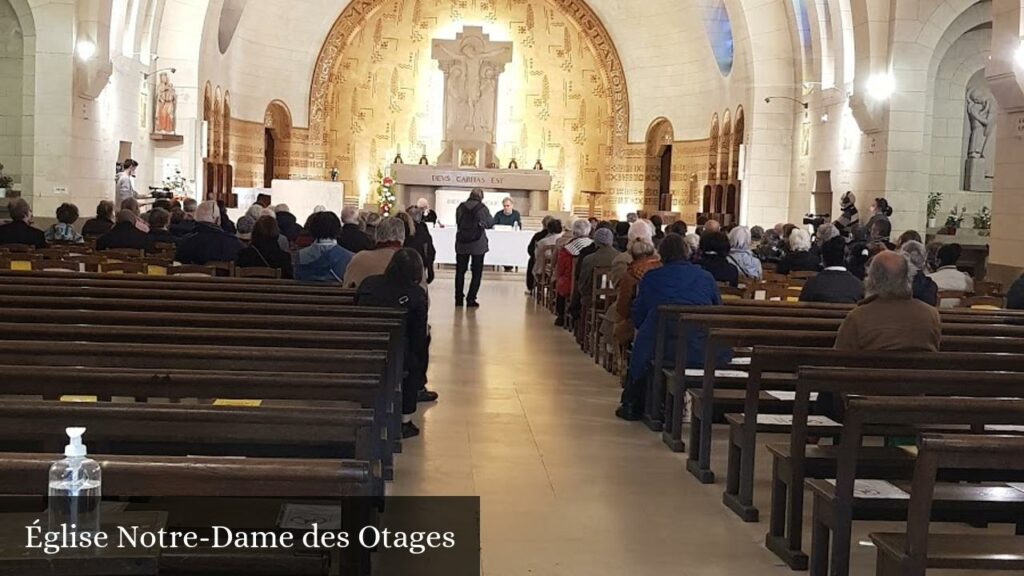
237 402
23 265
73 398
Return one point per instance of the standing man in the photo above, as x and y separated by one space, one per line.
125 184
472 219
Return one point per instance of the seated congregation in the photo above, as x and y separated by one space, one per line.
831 338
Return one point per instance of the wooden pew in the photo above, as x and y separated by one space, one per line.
674 402
750 331
744 427
195 305
18 277
912 553
669 315
170 476
795 461
210 294
181 430
834 505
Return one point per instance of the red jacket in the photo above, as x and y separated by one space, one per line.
563 273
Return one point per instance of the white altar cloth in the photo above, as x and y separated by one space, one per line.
507 247
302 196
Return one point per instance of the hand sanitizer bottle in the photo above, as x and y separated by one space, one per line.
74 489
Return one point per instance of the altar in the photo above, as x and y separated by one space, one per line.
302 196
527 188
507 246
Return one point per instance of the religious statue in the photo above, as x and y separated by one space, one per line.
334 174
472 64
979 114
166 106
472 79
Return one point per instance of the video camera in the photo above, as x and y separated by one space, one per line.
816 219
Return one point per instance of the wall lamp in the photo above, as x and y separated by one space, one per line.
769 99
148 75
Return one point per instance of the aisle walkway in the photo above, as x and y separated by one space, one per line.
526 422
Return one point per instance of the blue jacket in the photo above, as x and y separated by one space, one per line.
322 262
679 283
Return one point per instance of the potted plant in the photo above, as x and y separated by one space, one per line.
934 203
983 221
6 182
954 220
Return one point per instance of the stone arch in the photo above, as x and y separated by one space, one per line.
277 125
16 113
657 177
208 117
725 147
707 201
355 15
713 140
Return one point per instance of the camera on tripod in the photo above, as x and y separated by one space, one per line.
816 219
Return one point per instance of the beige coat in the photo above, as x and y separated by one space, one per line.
888 324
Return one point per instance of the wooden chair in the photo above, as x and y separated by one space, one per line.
733 293
222 268
951 298
164 248
191 270
21 260
772 276
123 254
257 272
911 554
156 265
988 288
802 275
55 265
19 248
602 298
544 282
114 267
982 302
87 262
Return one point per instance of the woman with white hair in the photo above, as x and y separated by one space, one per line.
925 289
644 259
563 266
639 229
799 258
390 236
740 254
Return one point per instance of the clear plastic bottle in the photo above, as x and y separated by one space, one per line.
75 488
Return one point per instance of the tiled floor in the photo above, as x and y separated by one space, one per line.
526 422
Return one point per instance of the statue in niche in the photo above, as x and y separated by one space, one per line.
979 114
979 132
166 106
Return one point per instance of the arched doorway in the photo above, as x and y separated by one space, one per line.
658 180
707 201
277 124
15 77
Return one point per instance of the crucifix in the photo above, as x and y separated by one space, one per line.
471 64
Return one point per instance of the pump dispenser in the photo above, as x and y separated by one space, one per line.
75 488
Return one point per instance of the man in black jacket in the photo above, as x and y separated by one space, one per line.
19 230
351 237
209 243
125 234
835 284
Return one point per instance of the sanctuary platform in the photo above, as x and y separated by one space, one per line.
528 188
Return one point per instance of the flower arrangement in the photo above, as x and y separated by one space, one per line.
385 195
934 203
5 180
955 220
982 220
177 185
